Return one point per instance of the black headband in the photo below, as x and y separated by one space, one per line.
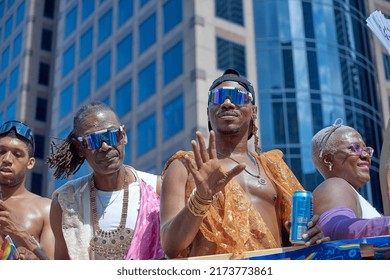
234 75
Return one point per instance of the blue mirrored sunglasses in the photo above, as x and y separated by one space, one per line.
94 141
236 96
21 129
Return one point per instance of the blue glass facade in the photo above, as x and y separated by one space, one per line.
314 66
117 52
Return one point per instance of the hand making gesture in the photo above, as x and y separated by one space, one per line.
209 175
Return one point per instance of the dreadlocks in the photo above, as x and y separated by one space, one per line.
64 156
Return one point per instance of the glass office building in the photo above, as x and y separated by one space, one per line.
27 44
314 66
152 62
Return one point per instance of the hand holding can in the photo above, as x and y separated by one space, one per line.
302 212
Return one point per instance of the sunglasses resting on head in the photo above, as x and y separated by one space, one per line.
94 141
236 96
21 129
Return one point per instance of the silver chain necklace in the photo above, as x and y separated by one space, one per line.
260 179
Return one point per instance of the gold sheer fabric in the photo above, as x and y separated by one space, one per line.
233 225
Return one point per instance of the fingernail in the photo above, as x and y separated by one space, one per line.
304 236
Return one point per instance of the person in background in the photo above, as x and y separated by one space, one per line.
343 159
226 198
24 216
112 213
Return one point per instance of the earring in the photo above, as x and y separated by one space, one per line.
330 167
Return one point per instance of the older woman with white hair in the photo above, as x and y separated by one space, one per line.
343 159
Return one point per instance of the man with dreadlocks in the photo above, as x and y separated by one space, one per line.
227 198
112 213
343 159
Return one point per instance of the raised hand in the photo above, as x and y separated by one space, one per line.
207 170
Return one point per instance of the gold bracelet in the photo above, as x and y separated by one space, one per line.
196 208
201 199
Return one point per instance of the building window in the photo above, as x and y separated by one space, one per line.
4 59
8 27
36 183
2 10
20 14
147 33
84 86
172 14
231 10
66 101
125 11
386 64
70 21
14 79
147 82
230 55
68 60
123 99
86 44
44 74
103 70
48 8
3 84
39 146
173 117
105 26
124 52
17 45
87 7
41 109
11 111
173 63
146 135
46 39
143 3
10 3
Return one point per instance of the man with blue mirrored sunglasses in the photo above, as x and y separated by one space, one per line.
31 234
227 197
111 213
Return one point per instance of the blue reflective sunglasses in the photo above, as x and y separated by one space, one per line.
236 96
94 141
21 129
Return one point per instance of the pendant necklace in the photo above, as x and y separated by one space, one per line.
104 208
260 179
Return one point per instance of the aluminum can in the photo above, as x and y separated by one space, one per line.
301 213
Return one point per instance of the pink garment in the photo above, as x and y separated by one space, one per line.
146 243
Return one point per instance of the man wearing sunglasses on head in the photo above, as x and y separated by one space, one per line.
227 198
343 159
112 213
24 216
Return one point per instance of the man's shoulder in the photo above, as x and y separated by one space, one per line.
276 154
177 156
72 185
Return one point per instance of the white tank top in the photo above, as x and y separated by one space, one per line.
112 202
368 211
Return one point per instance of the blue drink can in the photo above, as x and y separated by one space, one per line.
302 212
